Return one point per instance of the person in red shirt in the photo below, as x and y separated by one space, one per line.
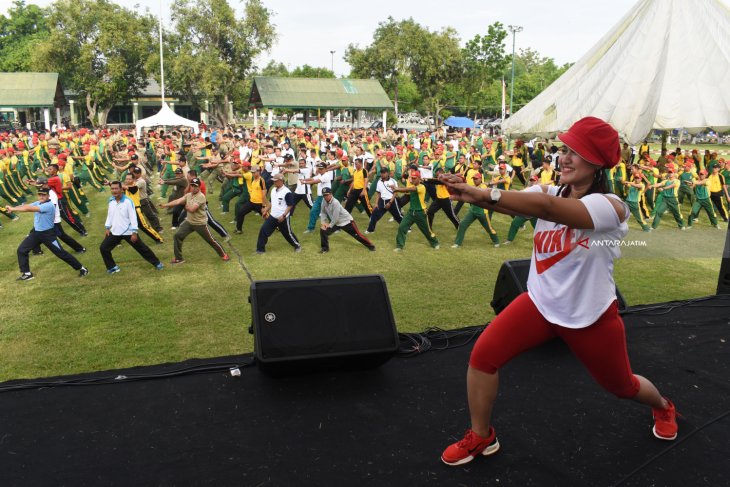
55 183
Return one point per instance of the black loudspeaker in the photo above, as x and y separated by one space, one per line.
723 280
309 325
512 281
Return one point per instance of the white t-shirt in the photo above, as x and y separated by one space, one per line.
276 166
325 181
278 201
54 199
571 272
385 188
302 188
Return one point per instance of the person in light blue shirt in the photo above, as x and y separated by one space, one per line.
43 232
121 224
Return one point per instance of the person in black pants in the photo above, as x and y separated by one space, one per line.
121 224
443 203
277 214
60 233
44 233
387 202
334 217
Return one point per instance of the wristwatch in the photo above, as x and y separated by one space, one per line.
495 194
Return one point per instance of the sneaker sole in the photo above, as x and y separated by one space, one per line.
667 438
489 450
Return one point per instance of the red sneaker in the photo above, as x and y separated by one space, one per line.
665 422
465 450
225 257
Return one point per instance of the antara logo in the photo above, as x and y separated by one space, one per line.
557 242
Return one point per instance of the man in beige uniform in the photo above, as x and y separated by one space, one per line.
195 221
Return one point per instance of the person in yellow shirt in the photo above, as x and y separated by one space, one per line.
131 190
718 192
546 174
358 192
518 164
255 202
441 202
501 180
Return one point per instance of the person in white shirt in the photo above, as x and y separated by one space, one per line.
121 224
277 214
323 179
386 200
571 293
303 190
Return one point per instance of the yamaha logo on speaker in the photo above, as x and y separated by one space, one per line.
270 317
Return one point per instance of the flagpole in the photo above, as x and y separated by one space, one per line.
162 62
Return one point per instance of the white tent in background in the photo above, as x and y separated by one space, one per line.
165 118
665 65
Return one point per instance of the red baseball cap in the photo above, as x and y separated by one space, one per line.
594 140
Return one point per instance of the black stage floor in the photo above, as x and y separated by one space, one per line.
386 426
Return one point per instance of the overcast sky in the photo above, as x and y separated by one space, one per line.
308 30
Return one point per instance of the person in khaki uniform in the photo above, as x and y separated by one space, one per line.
196 221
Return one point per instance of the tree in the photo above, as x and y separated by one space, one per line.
275 69
484 62
308 71
387 57
533 73
435 63
212 52
20 33
99 50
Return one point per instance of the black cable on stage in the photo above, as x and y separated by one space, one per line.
122 378
674 445
412 344
665 308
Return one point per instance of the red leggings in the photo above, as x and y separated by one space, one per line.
601 346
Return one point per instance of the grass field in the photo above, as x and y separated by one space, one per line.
60 324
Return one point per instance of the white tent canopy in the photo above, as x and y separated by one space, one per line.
665 65
165 118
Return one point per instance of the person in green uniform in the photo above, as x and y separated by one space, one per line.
650 175
669 202
518 222
236 185
416 213
633 196
343 178
686 178
619 177
476 213
702 201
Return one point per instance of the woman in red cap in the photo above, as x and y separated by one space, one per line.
570 294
